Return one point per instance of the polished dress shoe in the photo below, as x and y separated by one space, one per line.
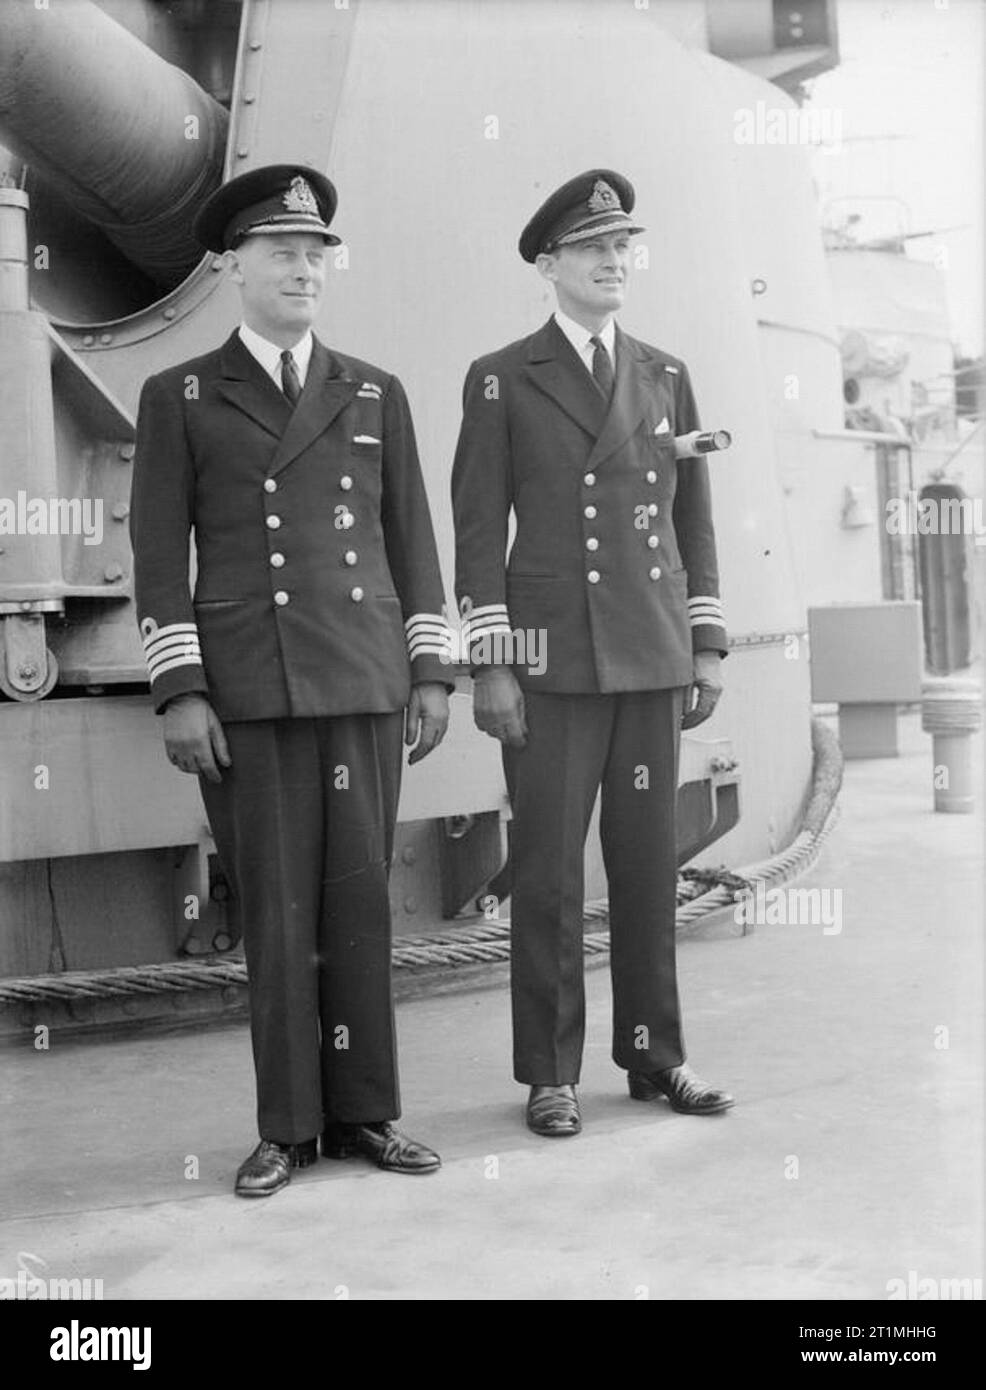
688 1093
553 1111
383 1144
268 1168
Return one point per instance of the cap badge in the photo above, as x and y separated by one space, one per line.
603 198
300 198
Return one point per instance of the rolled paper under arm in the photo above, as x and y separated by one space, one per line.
701 442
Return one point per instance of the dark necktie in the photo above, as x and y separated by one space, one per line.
290 380
602 367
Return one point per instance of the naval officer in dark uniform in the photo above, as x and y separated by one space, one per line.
311 646
572 429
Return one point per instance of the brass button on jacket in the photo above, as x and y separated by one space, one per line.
529 456
313 650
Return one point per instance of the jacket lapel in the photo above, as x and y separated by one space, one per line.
628 405
326 392
554 368
246 385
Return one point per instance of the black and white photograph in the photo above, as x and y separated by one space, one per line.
492 561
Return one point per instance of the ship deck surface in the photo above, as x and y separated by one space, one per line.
827 1041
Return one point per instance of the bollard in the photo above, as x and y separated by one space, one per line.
951 711
947 564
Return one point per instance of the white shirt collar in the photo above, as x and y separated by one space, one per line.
268 354
579 337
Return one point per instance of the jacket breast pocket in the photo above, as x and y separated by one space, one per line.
662 447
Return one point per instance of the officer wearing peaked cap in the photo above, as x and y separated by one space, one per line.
314 639
614 563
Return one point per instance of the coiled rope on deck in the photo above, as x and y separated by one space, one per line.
481 943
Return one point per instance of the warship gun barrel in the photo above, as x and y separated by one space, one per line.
132 142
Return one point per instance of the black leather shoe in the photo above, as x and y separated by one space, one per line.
553 1111
382 1143
268 1168
688 1093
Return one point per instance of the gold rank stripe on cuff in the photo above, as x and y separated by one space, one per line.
428 634
493 617
167 648
705 608
489 621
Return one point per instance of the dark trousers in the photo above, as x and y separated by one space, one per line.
627 744
304 825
